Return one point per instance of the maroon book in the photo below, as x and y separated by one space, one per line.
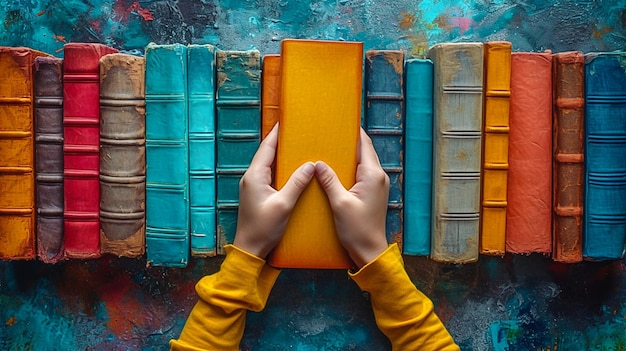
81 127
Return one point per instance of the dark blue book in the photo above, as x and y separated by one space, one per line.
384 123
604 232
201 89
418 156
238 101
167 156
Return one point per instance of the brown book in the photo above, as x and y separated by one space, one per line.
270 93
48 75
529 186
122 155
17 174
568 168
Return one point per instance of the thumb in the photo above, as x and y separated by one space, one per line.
297 182
329 181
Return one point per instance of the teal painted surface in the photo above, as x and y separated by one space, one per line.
510 303
167 156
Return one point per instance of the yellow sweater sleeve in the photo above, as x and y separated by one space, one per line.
217 321
403 313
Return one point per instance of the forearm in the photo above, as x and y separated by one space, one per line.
403 313
217 321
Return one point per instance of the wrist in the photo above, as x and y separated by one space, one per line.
367 253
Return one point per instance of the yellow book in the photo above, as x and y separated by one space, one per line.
495 147
17 150
320 113
270 93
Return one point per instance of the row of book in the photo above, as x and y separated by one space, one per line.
488 151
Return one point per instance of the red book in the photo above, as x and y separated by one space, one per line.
81 128
529 186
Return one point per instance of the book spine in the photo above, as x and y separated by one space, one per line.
122 155
270 93
201 89
418 157
81 148
568 158
238 102
384 123
605 164
458 102
529 185
167 156
495 147
48 78
17 174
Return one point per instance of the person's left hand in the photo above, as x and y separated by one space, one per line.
264 211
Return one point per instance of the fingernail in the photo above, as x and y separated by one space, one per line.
308 168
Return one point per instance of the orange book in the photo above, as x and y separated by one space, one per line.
270 93
320 114
495 146
529 188
17 153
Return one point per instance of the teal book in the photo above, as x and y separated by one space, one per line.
201 90
604 232
238 102
418 156
384 123
167 156
457 132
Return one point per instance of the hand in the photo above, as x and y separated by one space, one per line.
264 211
360 212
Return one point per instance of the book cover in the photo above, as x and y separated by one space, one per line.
418 157
270 93
167 156
320 116
457 134
48 80
238 101
529 182
17 153
201 89
604 232
568 69
81 148
122 155
495 147
384 123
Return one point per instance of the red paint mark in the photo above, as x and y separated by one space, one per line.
454 18
122 11
59 38
40 13
11 321
95 25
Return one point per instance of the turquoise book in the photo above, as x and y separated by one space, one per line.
418 156
238 103
167 156
384 123
604 224
201 90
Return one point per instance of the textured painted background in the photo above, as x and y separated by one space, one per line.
510 303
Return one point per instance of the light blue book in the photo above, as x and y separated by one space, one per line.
418 157
384 123
201 89
238 101
604 224
167 156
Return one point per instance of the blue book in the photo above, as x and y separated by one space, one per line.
238 101
384 123
201 89
418 156
604 232
167 156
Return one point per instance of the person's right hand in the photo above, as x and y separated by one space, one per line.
360 212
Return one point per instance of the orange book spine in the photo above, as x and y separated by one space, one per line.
568 168
495 147
17 153
529 210
270 93
320 114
